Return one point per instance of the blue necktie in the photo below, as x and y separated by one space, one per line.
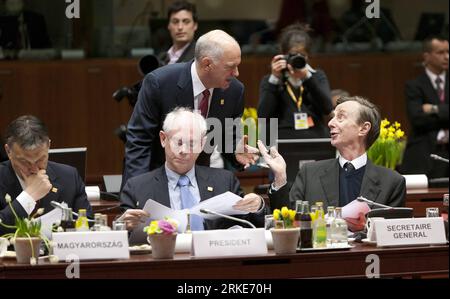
188 201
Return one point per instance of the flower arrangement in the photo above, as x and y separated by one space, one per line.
285 215
168 226
388 149
25 228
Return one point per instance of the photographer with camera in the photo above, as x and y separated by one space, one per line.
295 93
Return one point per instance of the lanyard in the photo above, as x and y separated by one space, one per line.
298 101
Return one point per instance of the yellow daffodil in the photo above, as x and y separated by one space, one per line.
285 212
276 214
399 134
388 149
292 215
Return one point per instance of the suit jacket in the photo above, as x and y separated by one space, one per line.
275 102
154 185
424 127
319 181
36 29
63 177
187 55
163 90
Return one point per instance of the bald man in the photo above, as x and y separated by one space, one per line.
207 84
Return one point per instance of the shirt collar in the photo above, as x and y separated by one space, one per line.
359 162
433 77
175 55
197 84
173 177
21 182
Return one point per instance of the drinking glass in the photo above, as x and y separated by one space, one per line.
432 212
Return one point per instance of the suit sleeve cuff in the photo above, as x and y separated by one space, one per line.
26 201
274 80
262 205
275 189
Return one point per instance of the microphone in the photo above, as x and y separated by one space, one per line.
360 198
57 205
438 158
206 211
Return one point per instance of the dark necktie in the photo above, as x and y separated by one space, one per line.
203 106
188 201
439 90
348 167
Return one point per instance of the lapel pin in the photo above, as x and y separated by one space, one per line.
222 102
210 189
54 189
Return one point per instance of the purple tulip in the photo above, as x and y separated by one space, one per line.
166 227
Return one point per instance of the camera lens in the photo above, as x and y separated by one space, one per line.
297 61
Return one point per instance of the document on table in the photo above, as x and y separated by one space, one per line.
47 220
222 203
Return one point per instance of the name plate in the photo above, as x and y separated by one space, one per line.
229 242
98 245
410 231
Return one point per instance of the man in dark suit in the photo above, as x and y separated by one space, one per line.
182 138
22 29
427 106
207 84
30 179
183 23
336 182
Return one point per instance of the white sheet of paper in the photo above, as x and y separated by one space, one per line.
352 209
47 220
158 211
222 203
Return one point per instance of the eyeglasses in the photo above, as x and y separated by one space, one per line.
190 146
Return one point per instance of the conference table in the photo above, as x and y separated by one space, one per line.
421 261
418 199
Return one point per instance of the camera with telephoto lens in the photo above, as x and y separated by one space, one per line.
297 61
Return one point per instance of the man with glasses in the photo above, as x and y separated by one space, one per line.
179 183
30 179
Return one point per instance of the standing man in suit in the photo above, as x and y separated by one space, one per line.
183 23
336 182
183 137
30 179
207 84
427 106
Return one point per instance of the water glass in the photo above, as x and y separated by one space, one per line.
119 225
432 212
268 222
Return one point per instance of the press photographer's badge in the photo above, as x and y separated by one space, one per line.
301 121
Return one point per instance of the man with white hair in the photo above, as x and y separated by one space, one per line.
181 184
208 84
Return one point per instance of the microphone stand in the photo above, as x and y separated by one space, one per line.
60 206
206 211
361 198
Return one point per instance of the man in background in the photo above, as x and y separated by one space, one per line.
21 28
427 107
182 26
